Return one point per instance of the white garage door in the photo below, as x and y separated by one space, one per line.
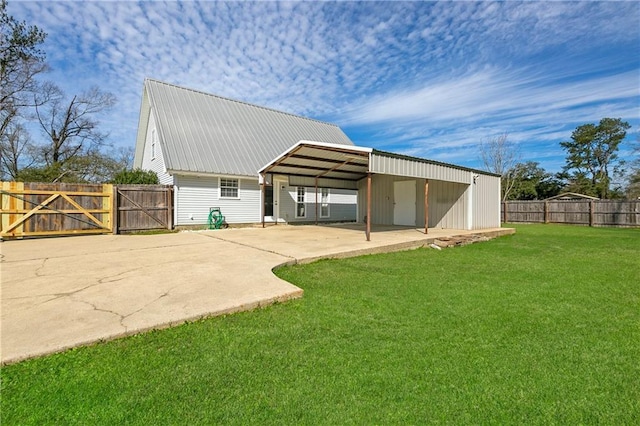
404 206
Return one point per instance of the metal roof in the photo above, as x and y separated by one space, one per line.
321 160
204 133
571 196
340 166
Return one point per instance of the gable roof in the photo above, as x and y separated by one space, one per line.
572 196
204 133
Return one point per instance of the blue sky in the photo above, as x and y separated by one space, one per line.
429 79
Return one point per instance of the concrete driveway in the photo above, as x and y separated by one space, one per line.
59 293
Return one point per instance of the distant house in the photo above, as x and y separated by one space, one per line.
565 196
211 148
257 164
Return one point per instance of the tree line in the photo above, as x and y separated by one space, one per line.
72 147
592 165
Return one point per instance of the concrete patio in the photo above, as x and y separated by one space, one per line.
58 293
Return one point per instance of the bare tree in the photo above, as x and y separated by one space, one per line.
16 151
500 156
71 127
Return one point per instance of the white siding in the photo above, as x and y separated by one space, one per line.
342 205
156 163
195 195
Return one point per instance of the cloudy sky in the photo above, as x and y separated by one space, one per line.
430 79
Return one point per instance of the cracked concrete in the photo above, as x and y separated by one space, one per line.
58 293
63 292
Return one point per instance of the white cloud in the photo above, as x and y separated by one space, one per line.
403 75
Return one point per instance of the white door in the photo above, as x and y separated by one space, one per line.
277 189
272 204
404 202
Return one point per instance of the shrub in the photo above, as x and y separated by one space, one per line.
136 176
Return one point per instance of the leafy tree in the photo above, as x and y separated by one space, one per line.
500 156
95 167
53 173
551 186
592 155
532 182
20 61
136 176
632 191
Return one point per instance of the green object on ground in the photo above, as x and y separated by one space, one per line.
536 328
216 219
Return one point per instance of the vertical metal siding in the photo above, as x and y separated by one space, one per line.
383 164
197 194
381 199
486 202
447 204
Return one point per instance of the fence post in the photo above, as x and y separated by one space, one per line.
504 207
115 213
169 207
546 212
591 212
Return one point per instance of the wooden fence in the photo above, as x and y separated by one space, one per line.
577 212
53 209
143 207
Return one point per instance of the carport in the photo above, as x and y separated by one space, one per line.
393 189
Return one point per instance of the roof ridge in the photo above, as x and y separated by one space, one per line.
239 102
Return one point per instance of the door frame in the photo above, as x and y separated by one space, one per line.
277 190
404 208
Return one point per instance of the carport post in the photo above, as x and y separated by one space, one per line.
316 200
368 206
426 206
264 195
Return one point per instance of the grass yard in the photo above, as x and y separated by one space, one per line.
542 327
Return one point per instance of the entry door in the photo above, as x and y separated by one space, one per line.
404 206
268 201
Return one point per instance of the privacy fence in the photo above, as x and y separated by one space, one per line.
576 212
53 209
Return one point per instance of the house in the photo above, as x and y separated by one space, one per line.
566 196
210 149
261 165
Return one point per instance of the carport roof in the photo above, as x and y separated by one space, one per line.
322 160
311 159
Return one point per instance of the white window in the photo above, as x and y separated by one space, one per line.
324 203
153 144
229 188
300 210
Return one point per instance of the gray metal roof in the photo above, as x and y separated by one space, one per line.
337 165
314 159
203 133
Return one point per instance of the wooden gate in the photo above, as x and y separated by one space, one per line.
143 207
47 209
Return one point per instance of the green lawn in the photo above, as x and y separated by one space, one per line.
542 327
